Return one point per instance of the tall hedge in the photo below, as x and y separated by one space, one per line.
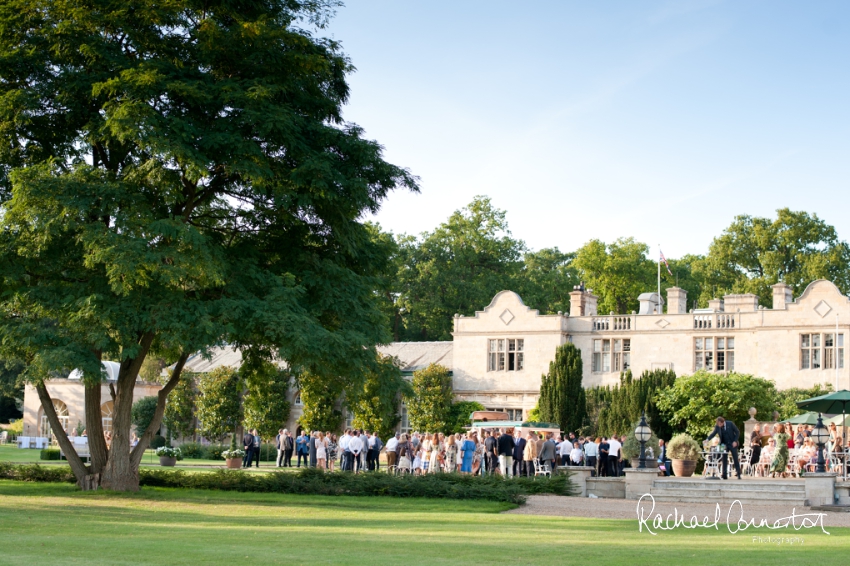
614 409
429 407
562 397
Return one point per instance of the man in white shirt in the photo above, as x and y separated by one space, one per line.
392 446
591 451
614 456
355 446
344 450
564 449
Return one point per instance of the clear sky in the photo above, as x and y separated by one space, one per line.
660 120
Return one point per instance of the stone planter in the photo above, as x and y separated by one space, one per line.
684 468
650 462
234 463
166 461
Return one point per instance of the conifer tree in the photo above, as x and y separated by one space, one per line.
562 397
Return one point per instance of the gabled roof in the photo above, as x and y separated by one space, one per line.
418 355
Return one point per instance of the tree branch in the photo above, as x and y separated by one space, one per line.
77 466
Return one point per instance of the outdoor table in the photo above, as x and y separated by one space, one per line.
24 441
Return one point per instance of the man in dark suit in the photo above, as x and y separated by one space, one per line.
519 464
728 434
662 458
248 444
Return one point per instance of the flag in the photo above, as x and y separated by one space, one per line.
664 259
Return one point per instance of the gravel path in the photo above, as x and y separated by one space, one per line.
556 505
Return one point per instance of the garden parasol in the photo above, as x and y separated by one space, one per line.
832 403
809 418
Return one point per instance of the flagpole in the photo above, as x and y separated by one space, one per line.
659 279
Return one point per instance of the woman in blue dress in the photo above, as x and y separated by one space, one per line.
467 450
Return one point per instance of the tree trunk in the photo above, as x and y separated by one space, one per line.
84 480
94 426
119 473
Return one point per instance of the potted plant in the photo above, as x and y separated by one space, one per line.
684 451
234 456
631 449
168 456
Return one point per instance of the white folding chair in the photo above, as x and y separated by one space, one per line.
542 469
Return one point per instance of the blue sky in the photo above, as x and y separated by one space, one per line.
606 119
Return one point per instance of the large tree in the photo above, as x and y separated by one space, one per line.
617 273
562 398
376 404
219 402
754 253
546 279
457 268
175 175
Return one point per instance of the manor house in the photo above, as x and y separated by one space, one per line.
497 356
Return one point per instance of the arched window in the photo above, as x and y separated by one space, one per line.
298 402
61 411
106 416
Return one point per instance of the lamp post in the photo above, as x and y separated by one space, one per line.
820 434
643 434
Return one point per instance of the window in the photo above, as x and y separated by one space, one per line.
298 401
821 351
61 411
513 414
515 350
602 358
405 420
714 354
622 355
106 415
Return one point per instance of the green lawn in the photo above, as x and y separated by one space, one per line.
53 524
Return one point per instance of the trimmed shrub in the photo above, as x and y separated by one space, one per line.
314 481
158 442
213 452
49 454
193 450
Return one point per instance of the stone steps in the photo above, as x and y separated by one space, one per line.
748 492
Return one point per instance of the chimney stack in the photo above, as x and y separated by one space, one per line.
677 301
782 295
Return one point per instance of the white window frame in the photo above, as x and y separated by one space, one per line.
821 350
505 354
715 354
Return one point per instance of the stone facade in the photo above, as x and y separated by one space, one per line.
792 343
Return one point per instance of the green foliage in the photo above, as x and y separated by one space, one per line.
534 414
429 407
695 401
49 454
617 273
143 411
754 253
457 268
314 481
179 415
179 175
546 279
265 403
219 407
376 405
11 391
158 441
459 415
562 397
320 398
612 410
16 429
786 400
684 447
631 447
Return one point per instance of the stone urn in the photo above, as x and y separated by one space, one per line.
650 462
234 463
167 461
684 468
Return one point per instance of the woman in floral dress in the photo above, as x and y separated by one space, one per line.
451 454
780 456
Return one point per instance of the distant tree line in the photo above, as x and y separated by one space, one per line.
459 266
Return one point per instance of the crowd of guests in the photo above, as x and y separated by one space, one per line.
504 451
774 448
